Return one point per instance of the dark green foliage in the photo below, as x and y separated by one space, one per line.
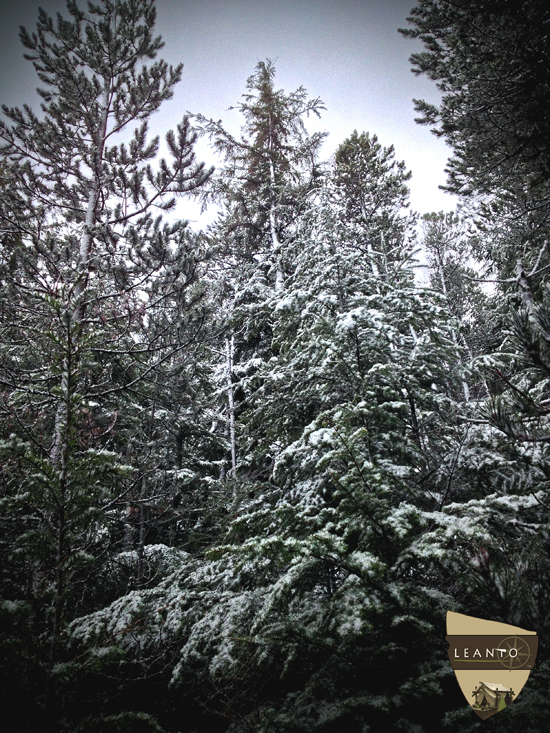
246 472
491 62
102 316
370 183
270 171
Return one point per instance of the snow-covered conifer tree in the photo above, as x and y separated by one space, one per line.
88 271
269 177
318 574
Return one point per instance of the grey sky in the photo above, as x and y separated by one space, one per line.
347 52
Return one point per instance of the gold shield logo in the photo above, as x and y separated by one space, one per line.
492 661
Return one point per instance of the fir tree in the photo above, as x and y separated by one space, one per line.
269 178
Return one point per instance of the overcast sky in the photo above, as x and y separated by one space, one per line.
347 52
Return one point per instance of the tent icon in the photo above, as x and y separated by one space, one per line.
492 696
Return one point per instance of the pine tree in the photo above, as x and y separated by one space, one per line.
87 274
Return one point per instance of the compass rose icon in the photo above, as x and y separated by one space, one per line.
515 652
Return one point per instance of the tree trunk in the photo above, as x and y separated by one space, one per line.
229 348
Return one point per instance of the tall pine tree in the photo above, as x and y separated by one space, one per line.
87 273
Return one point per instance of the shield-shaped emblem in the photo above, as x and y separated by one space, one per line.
492 661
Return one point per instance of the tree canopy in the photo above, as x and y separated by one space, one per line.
245 471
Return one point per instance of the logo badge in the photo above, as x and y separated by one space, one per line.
492 661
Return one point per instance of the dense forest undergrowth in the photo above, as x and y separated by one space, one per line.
247 470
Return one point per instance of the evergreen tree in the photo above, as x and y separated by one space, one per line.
269 172
88 274
371 188
490 62
318 582
269 178
246 473
447 243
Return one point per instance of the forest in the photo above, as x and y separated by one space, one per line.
246 470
